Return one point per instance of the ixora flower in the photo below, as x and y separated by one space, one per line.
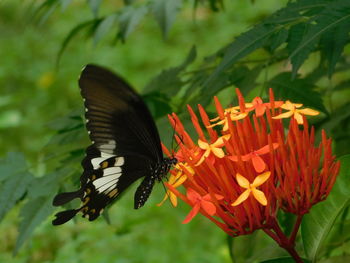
248 166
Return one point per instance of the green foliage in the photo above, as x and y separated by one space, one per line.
317 224
301 51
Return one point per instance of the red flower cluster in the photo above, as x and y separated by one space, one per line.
245 165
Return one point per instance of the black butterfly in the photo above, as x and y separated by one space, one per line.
125 146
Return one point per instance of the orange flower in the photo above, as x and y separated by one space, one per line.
258 162
200 202
259 106
297 174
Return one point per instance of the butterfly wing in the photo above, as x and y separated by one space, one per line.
118 120
125 145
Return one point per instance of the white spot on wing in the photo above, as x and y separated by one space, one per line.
106 155
119 161
103 183
111 170
108 146
96 161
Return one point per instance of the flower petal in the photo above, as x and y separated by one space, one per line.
208 207
263 150
220 141
193 196
298 117
242 181
192 213
258 163
260 179
173 199
180 180
203 145
218 152
241 198
259 196
284 115
260 110
308 111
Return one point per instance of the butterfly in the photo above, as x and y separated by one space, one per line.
125 146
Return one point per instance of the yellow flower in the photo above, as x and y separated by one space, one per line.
215 148
176 181
292 110
251 188
234 116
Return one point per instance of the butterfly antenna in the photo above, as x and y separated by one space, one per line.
172 139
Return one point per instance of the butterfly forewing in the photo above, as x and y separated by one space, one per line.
125 145
118 121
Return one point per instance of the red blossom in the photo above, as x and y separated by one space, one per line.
296 173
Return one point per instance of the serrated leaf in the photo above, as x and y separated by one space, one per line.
241 47
104 27
129 18
277 39
317 224
32 214
333 44
13 163
12 189
165 12
296 90
336 13
94 6
48 184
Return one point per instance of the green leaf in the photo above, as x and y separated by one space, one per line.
158 103
165 12
317 224
168 81
48 184
335 14
12 190
33 213
13 163
104 27
241 47
282 260
94 6
333 44
296 90
85 25
129 18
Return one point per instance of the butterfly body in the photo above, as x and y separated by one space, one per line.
125 146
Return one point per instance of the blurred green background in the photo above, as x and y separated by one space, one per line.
36 95
301 51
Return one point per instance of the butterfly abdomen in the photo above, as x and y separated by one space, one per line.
158 171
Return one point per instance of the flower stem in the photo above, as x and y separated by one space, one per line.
277 234
295 229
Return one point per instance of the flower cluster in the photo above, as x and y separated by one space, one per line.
245 164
